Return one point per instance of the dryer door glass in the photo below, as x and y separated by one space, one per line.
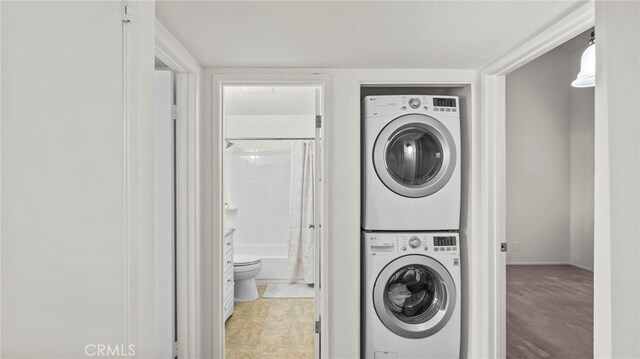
413 156
414 296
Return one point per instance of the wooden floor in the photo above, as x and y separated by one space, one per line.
549 312
271 328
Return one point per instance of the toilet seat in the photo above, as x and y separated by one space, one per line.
241 260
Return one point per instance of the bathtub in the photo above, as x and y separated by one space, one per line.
274 260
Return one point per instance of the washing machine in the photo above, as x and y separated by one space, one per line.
410 163
411 295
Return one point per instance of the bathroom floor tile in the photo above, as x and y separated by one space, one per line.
271 328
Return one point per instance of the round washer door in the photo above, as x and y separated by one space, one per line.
414 155
414 296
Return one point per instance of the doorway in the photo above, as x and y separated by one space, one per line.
549 207
272 219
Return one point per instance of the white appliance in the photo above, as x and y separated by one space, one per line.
411 295
411 163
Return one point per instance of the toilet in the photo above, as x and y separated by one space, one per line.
245 270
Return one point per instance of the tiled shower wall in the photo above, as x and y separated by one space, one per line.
258 194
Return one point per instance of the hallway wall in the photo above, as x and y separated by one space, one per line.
550 160
538 132
582 170
77 180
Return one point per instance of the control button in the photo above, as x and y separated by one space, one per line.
454 110
425 108
426 248
448 248
414 103
404 107
448 110
436 249
404 248
414 242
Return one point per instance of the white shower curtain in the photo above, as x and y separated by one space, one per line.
301 243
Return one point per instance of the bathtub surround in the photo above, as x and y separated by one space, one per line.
259 199
301 246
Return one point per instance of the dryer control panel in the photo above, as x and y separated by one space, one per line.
375 106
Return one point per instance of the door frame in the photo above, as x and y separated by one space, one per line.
493 157
187 171
217 81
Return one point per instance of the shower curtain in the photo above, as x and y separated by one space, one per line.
301 237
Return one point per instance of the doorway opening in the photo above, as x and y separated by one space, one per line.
549 206
272 218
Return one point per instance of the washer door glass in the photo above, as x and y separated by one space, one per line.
414 296
414 155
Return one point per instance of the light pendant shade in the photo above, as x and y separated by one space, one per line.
587 75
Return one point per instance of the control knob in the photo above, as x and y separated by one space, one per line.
414 102
414 242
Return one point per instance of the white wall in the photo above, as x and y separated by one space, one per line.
71 227
277 126
581 169
550 160
538 132
285 111
617 175
342 147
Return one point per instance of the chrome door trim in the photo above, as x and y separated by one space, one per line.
434 127
433 324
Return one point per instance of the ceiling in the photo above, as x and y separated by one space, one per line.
355 34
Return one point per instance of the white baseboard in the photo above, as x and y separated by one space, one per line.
582 267
275 281
537 263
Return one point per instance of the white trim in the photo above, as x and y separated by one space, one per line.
565 29
493 160
581 266
539 264
188 241
260 77
0 179
549 264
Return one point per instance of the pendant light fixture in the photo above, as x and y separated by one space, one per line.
587 75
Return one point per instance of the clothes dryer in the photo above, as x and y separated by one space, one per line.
411 163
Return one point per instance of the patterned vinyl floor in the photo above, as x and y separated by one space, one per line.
271 328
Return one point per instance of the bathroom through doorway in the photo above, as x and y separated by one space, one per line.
272 219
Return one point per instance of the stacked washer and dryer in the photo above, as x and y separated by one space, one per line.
411 287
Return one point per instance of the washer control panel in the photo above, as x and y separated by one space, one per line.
445 243
413 242
394 243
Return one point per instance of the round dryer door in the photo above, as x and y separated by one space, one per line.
414 296
414 155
